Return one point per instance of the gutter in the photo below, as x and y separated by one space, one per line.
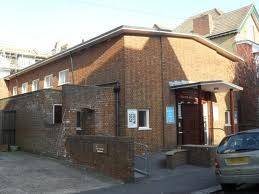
222 34
127 30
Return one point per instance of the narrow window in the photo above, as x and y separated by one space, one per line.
48 81
143 119
63 77
35 85
15 92
227 118
57 113
24 87
78 119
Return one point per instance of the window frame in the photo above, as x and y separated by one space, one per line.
26 89
147 127
51 84
53 113
16 90
59 76
38 86
228 113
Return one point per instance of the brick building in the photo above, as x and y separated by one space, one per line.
238 32
160 87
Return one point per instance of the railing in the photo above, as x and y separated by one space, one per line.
142 153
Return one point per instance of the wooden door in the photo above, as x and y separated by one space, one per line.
191 124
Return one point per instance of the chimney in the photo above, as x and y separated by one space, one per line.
203 25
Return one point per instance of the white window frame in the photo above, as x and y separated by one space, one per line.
59 77
45 79
229 123
26 88
53 112
147 118
15 90
32 85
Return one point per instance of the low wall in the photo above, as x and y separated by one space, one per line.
112 156
200 155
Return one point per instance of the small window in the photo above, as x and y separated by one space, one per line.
227 118
15 92
24 87
48 81
63 77
57 113
35 85
143 119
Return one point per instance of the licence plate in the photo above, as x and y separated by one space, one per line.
237 161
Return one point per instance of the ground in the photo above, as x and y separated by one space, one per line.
22 172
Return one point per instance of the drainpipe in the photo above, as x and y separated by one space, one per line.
72 67
116 90
162 91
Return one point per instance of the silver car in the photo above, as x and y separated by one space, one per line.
237 159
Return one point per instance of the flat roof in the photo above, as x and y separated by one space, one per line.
128 30
215 86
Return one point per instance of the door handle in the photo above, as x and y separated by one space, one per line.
180 132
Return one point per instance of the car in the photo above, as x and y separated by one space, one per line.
237 159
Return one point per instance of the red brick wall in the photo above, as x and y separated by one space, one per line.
143 66
246 77
148 71
117 162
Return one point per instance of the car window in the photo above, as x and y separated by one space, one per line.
239 143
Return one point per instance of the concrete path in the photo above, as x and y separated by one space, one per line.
28 173
183 179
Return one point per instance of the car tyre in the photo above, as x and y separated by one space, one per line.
228 187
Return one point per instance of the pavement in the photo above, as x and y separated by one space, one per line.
22 172
182 180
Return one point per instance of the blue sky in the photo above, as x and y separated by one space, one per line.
40 23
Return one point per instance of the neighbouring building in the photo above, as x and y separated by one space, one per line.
238 32
14 59
162 88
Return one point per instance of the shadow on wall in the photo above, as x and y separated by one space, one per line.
246 77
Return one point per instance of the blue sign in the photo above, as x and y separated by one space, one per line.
170 115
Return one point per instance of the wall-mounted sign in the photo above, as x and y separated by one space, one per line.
170 115
132 118
100 148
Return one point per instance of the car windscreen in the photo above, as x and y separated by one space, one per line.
241 142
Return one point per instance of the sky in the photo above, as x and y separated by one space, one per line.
40 23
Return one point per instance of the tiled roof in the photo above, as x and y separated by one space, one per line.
222 22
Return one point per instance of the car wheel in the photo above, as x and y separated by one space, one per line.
228 187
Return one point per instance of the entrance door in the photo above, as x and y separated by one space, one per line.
191 124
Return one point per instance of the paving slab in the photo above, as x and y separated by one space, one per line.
22 172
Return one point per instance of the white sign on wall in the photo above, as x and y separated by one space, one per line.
132 118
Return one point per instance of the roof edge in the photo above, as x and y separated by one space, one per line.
127 30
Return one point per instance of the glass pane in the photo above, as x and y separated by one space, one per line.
239 142
142 115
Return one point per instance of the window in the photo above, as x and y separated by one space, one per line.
24 87
143 119
57 113
35 85
227 118
15 90
250 32
48 81
242 142
63 77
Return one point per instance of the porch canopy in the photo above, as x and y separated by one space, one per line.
214 86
